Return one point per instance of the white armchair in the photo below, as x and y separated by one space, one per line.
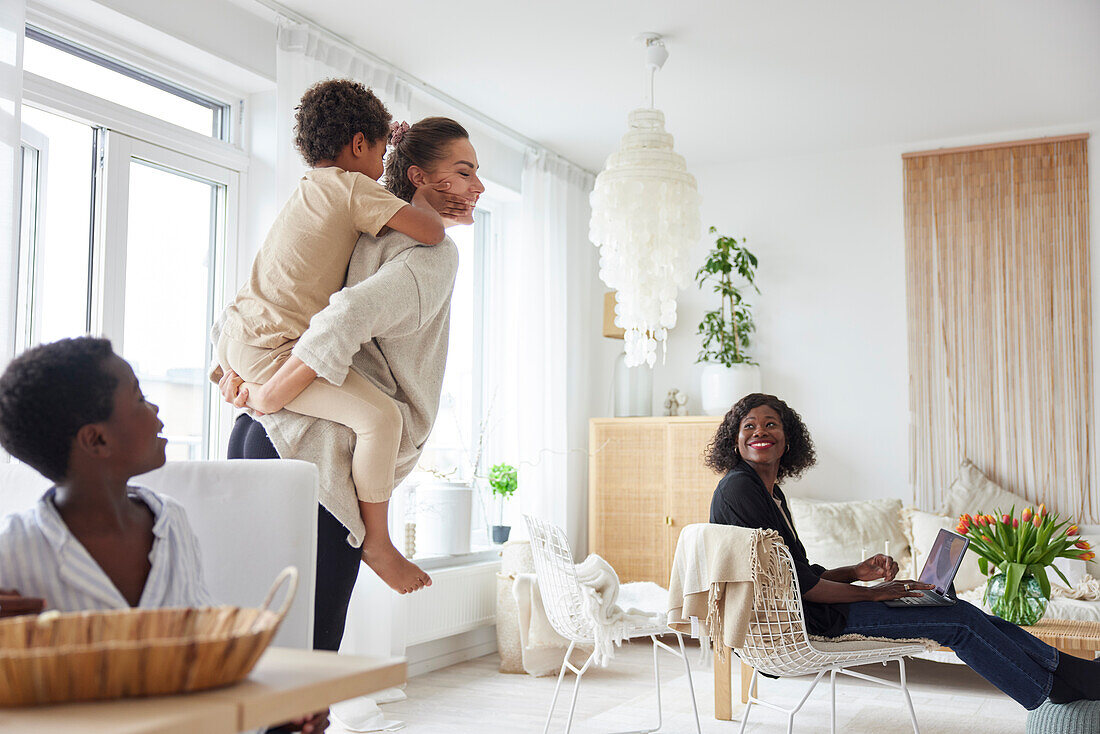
252 519
777 643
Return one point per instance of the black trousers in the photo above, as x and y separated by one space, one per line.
337 562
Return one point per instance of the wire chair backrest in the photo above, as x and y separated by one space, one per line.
777 641
558 584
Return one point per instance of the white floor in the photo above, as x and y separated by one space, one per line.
473 698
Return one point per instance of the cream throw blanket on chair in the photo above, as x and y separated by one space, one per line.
611 624
713 576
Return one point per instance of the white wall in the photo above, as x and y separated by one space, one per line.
831 321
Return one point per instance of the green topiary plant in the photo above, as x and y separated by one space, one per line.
503 480
726 330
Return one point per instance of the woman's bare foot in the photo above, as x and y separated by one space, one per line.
401 574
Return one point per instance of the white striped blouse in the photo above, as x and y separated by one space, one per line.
40 557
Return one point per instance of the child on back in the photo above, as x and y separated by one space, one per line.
341 131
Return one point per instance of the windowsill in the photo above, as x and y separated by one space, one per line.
478 555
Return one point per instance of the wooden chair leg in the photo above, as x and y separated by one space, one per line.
746 682
723 685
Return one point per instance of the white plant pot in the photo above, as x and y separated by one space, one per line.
443 513
723 386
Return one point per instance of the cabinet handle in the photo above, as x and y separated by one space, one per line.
668 520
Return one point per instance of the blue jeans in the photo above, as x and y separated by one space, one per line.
1014 661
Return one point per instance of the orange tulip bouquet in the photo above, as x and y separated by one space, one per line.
1017 552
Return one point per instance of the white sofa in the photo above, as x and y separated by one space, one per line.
843 533
252 519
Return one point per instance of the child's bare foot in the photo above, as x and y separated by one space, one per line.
401 574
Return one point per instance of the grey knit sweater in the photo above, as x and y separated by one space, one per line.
391 325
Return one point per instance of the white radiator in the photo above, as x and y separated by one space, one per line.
460 599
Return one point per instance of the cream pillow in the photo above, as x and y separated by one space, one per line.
1073 569
844 533
923 529
972 491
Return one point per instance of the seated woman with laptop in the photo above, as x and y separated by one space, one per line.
761 441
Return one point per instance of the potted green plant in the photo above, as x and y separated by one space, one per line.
503 482
729 372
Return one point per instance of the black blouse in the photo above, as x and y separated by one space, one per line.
742 499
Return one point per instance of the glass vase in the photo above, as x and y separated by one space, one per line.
1027 606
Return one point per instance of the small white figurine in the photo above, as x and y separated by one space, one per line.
676 402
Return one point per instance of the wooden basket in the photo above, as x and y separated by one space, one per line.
86 656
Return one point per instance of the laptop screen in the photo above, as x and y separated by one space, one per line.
944 560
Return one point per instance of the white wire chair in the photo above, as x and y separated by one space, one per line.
777 643
561 595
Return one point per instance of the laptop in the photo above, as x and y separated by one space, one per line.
939 570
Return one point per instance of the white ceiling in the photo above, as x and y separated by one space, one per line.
745 79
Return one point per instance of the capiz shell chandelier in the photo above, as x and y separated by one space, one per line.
645 217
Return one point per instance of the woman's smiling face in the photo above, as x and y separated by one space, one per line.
459 168
760 439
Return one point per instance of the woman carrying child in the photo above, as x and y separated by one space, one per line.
342 131
390 327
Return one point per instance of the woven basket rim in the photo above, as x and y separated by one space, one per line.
148 611
266 620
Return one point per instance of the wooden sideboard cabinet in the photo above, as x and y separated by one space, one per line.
646 481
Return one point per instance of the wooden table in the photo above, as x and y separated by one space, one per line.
1078 638
1073 637
284 684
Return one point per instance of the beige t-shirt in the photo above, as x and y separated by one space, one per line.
304 259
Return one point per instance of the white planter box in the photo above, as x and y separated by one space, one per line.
443 513
723 386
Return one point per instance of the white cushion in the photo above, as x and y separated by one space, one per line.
1072 568
252 519
844 533
923 529
1074 609
974 492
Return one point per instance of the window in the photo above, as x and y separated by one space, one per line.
123 234
54 58
453 440
452 444
56 230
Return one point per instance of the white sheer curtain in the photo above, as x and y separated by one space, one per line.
527 338
305 56
12 18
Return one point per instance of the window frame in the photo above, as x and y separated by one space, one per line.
120 132
500 205
170 66
220 128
